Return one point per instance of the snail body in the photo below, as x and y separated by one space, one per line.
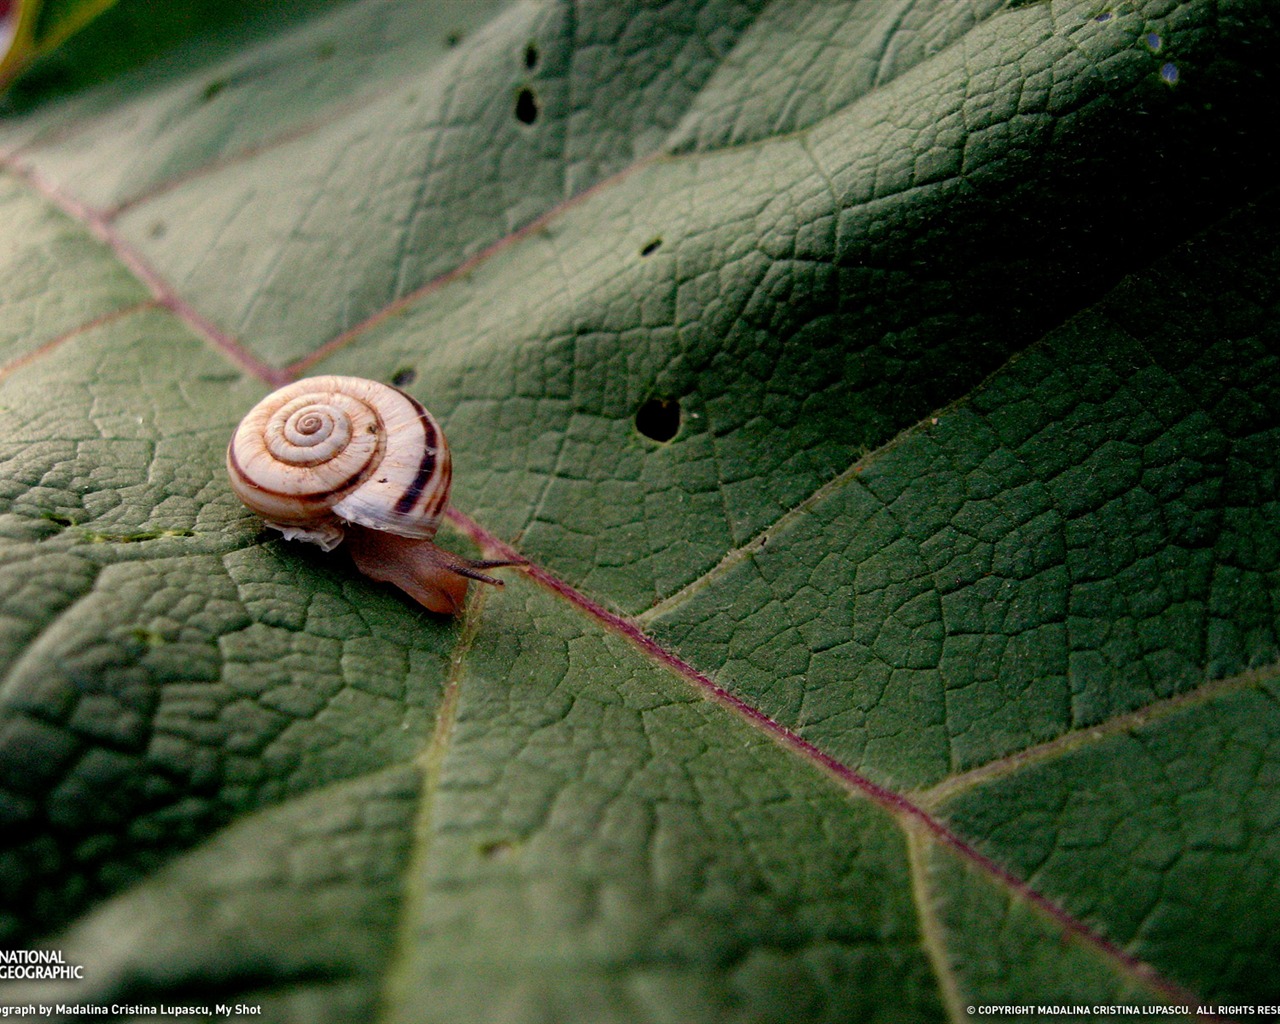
333 458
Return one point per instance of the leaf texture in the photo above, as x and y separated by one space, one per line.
929 664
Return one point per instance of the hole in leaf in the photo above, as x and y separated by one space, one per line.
452 39
213 88
499 849
651 247
526 106
404 376
659 419
531 56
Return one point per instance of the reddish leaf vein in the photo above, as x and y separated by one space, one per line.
54 342
911 814
296 369
100 226
99 223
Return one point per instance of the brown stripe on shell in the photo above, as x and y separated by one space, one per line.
313 497
426 467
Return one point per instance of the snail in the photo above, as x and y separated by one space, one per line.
333 458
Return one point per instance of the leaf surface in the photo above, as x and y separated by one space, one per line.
929 664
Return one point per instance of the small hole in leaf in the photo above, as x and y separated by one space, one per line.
452 39
404 376
659 419
531 56
526 106
213 88
1170 73
651 247
499 850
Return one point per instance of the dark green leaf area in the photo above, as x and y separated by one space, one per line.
814 295
319 877
606 845
53 277
1164 837
1094 529
165 674
182 692
428 143
104 447
236 88
1000 947
974 485
805 59
131 32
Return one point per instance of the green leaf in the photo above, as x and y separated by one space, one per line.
919 654
59 46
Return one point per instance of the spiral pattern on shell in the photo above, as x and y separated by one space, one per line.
328 450
305 434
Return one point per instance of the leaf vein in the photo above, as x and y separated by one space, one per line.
163 293
904 807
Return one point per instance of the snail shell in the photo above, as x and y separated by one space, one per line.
329 458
